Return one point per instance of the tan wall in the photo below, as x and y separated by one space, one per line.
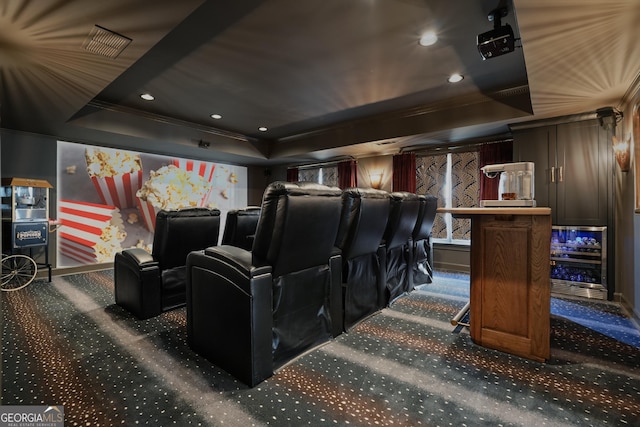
372 165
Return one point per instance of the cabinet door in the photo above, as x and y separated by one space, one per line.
537 145
583 164
510 284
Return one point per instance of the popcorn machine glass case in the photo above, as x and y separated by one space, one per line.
579 261
25 213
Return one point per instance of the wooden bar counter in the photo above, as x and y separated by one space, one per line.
510 279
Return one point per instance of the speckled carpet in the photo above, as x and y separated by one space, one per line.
66 343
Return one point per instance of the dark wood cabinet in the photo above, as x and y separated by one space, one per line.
573 163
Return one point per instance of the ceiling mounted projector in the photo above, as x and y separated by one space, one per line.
498 41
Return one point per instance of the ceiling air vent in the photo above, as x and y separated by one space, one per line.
514 91
105 42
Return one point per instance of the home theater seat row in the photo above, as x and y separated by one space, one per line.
311 262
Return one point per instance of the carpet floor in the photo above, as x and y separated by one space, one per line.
67 343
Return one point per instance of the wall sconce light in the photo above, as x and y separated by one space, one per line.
376 179
622 150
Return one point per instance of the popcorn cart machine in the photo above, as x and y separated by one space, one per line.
25 226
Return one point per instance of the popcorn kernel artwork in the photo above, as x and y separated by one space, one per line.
116 175
102 162
171 188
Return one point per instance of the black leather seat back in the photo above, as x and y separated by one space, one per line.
422 259
402 218
179 232
240 227
397 237
297 227
364 218
426 216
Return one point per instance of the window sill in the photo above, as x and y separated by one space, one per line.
453 246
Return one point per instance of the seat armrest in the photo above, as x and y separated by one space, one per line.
229 311
137 283
139 257
239 259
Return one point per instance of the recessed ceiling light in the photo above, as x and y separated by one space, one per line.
262 129
455 78
428 38
216 116
147 97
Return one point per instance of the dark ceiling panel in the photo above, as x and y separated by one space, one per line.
322 75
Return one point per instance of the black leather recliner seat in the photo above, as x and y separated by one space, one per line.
251 312
364 218
240 227
150 284
422 264
397 239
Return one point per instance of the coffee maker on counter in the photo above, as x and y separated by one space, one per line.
516 186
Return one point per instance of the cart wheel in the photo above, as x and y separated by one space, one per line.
17 272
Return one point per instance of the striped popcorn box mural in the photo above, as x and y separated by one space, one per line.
89 232
171 188
116 175
204 169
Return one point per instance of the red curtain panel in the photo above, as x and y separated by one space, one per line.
292 174
404 172
347 174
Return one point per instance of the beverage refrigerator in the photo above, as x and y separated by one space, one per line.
579 261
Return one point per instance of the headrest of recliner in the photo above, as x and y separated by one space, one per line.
248 211
279 188
365 212
370 193
297 219
179 232
188 212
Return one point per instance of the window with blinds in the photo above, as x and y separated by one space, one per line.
327 175
454 178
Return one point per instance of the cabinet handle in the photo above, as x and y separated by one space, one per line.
560 174
553 174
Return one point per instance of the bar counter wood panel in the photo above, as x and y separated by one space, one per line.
510 279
